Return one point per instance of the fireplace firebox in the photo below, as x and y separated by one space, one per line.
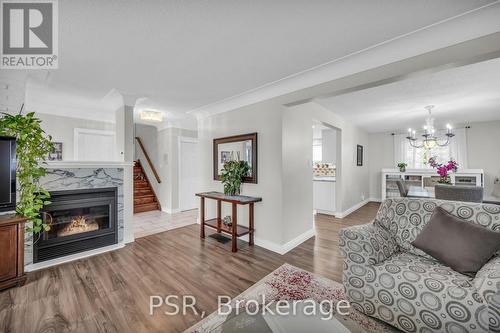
79 220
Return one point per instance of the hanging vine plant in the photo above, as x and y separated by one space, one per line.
33 146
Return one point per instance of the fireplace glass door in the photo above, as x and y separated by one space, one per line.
79 220
72 221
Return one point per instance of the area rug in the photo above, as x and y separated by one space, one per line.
291 283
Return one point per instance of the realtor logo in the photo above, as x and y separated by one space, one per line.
29 34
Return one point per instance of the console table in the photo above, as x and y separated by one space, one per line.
11 251
234 230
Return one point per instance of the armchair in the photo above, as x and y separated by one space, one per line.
387 278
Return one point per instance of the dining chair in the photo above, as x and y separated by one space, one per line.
459 193
494 198
403 192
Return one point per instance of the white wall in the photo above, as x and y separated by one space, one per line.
380 155
62 130
265 119
297 202
483 152
125 139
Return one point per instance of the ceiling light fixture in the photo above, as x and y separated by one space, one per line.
430 140
154 116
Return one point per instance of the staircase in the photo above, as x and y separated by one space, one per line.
145 199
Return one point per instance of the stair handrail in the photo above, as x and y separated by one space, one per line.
148 159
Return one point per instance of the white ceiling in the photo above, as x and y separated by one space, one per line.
461 95
182 55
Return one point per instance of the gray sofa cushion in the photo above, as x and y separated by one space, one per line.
463 246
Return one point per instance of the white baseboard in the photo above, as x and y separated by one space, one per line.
354 208
72 257
282 249
297 241
326 212
268 245
171 211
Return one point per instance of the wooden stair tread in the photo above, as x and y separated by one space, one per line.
143 201
146 207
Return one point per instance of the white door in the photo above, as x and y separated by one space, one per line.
188 174
94 145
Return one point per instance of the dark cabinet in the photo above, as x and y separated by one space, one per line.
11 251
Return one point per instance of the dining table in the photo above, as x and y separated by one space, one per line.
420 192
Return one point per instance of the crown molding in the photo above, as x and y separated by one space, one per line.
467 26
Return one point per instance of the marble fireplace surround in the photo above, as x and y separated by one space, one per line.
83 175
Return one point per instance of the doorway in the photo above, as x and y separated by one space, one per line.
189 178
326 155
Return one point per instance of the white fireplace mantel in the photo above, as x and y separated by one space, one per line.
86 164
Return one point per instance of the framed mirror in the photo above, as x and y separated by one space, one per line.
238 147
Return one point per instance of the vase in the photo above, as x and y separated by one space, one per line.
402 169
444 180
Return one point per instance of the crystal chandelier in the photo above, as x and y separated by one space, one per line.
430 140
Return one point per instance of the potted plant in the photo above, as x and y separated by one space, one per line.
443 169
33 146
402 166
232 175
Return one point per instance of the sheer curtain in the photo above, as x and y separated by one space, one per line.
417 158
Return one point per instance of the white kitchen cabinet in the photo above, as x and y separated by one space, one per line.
324 196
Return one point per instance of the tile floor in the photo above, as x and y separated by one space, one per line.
149 223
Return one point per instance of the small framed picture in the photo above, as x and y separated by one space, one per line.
56 154
359 155
225 156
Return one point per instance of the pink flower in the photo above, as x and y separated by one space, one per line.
442 171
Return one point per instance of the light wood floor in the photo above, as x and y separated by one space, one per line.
110 292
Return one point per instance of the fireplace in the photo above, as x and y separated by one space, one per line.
79 220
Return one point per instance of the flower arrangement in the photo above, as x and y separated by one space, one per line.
443 169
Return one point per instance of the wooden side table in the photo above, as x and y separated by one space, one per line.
234 230
11 251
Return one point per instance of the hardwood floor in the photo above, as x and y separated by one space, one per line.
110 292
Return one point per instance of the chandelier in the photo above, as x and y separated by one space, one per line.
429 140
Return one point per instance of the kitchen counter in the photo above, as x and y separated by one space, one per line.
324 179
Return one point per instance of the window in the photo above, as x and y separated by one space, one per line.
417 158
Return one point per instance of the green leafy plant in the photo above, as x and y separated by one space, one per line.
232 175
33 146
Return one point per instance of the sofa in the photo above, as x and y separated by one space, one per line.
388 278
